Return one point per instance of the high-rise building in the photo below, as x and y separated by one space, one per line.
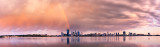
72 34
124 33
62 34
75 33
78 33
118 33
67 32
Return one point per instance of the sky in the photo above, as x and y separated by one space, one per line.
87 16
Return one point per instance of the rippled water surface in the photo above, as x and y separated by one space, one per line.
112 41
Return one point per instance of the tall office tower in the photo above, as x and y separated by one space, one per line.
124 33
67 32
116 34
78 33
62 34
72 34
75 33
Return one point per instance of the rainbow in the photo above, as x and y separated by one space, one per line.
64 14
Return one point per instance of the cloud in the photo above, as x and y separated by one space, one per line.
107 15
84 15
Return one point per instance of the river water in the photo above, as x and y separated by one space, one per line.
110 41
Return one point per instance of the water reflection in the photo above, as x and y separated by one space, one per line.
67 40
71 40
105 39
109 41
124 38
77 39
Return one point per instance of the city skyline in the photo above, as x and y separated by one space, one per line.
80 34
96 16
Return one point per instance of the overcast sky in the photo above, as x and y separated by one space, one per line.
55 16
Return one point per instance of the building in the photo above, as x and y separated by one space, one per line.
62 34
140 34
72 34
149 34
118 33
124 33
104 34
99 34
107 33
67 32
110 34
130 34
78 33
75 33
134 34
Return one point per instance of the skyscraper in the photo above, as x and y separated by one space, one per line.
67 32
118 33
72 34
78 33
75 33
124 33
62 34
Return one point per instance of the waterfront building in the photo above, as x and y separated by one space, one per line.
104 34
67 32
134 34
72 34
124 33
130 34
110 34
118 33
78 33
62 34
75 33
140 34
149 34
107 33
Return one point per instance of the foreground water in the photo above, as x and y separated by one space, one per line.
112 41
